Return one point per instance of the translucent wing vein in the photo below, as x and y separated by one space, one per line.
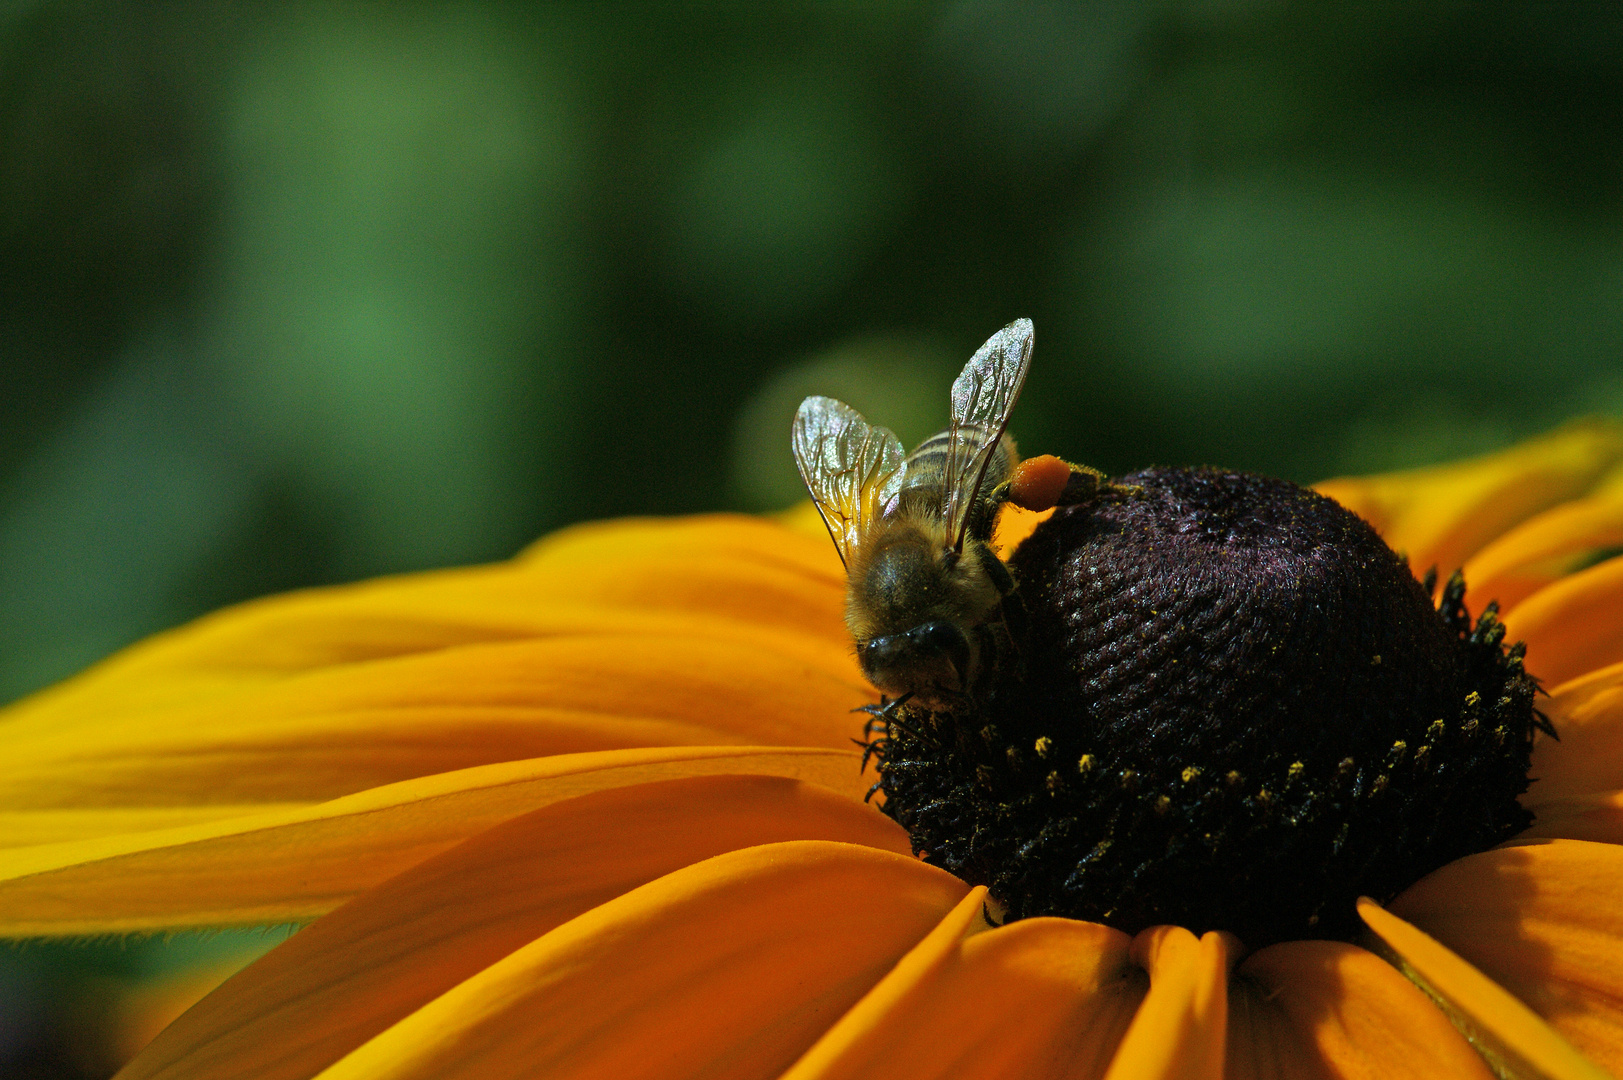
983 396
852 469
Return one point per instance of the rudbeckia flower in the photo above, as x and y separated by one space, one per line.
596 812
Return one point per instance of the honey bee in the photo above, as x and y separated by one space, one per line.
928 601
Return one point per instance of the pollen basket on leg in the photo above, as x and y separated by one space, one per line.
1235 709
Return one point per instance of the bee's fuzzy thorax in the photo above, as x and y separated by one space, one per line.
899 579
1239 711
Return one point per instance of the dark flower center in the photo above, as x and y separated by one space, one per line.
1235 709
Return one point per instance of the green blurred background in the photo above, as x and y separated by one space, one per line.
295 293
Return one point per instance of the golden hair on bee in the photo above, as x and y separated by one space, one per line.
927 601
906 573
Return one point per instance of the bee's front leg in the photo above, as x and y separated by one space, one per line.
869 749
881 715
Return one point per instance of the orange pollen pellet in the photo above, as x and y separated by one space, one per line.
1038 481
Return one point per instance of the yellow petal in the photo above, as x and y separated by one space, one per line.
1574 626
1445 514
716 572
729 537
1588 757
1014 525
736 578
1542 920
1546 548
1038 998
353 973
1597 817
707 631
1181 1028
1324 1010
803 518
726 970
22 828
1516 1043
293 865
145 1006
329 732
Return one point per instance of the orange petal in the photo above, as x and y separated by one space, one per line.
1014 525
729 536
146 1006
1577 790
23 828
1541 920
1445 514
1546 548
1574 626
1597 817
725 970
1324 1010
707 631
1038 998
737 578
1588 757
355 972
803 518
293 865
1181 1028
332 731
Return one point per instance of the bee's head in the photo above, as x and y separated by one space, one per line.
911 608
934 661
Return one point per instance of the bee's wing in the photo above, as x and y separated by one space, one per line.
982 398
852 470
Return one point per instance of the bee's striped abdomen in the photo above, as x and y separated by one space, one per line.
926 466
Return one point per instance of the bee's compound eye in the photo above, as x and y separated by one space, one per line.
879 650
943 641
938 637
